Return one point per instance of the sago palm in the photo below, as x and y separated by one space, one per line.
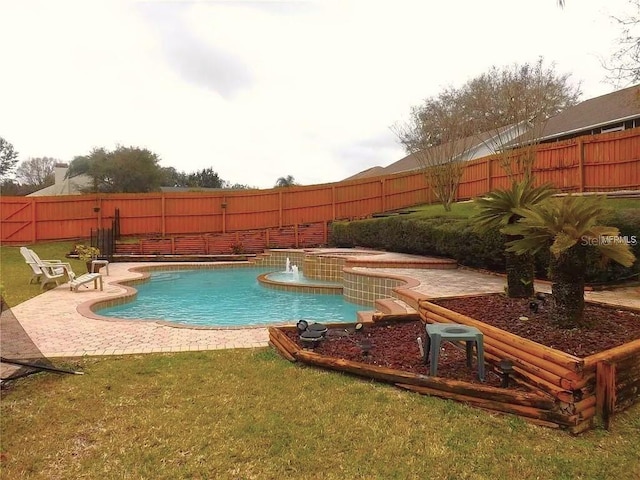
568 226
497 210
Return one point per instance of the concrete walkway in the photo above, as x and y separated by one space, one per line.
55 324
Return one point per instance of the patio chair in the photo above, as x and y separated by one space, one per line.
77 282
37 272
46 271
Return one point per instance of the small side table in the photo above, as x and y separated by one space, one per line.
96 265
437 332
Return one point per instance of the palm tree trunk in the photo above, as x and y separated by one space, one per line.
567 274
520 275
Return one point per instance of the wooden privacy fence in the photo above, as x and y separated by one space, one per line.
603 162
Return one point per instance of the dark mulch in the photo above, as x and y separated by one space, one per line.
610 327
395 345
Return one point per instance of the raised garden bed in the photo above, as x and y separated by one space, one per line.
552 387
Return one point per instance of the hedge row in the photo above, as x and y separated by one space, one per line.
455 238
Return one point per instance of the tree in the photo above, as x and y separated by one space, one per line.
8 158
173 178
499 97
624 66
37 172
123 170
442 151
10 187
568 226
288 181
497 210
238 186
500 105
514 104
205 178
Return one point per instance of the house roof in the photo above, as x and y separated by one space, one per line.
369 172
63 185
596 112
471 147
610 109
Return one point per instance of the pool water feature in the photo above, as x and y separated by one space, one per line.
298 279
228 297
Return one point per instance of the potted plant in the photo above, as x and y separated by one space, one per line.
86 254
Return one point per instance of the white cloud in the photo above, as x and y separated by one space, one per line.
259 90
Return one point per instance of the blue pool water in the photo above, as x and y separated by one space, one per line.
227 297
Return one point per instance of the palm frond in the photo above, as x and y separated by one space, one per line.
498 207
562 243
527 244
566 222
619 252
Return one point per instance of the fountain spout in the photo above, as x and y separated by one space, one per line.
288 265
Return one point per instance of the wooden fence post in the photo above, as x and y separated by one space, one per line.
99 211
224 214
605 391
163 214
333 202
280 208
581 165
34 220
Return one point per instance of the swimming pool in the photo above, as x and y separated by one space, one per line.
229 297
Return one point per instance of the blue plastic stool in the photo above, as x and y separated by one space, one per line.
437 332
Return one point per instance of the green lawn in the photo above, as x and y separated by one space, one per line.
15 273
467 209
251 414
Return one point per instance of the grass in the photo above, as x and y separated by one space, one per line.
250 414
467 209
458 210
15 274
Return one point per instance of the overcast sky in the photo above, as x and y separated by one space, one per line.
258 90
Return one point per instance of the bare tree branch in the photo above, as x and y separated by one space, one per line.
624 65
442 163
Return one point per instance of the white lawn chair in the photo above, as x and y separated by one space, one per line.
36 270
46 271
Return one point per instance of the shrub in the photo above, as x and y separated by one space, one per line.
455 238
628 222
340 235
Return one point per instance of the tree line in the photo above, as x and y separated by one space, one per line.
122 170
